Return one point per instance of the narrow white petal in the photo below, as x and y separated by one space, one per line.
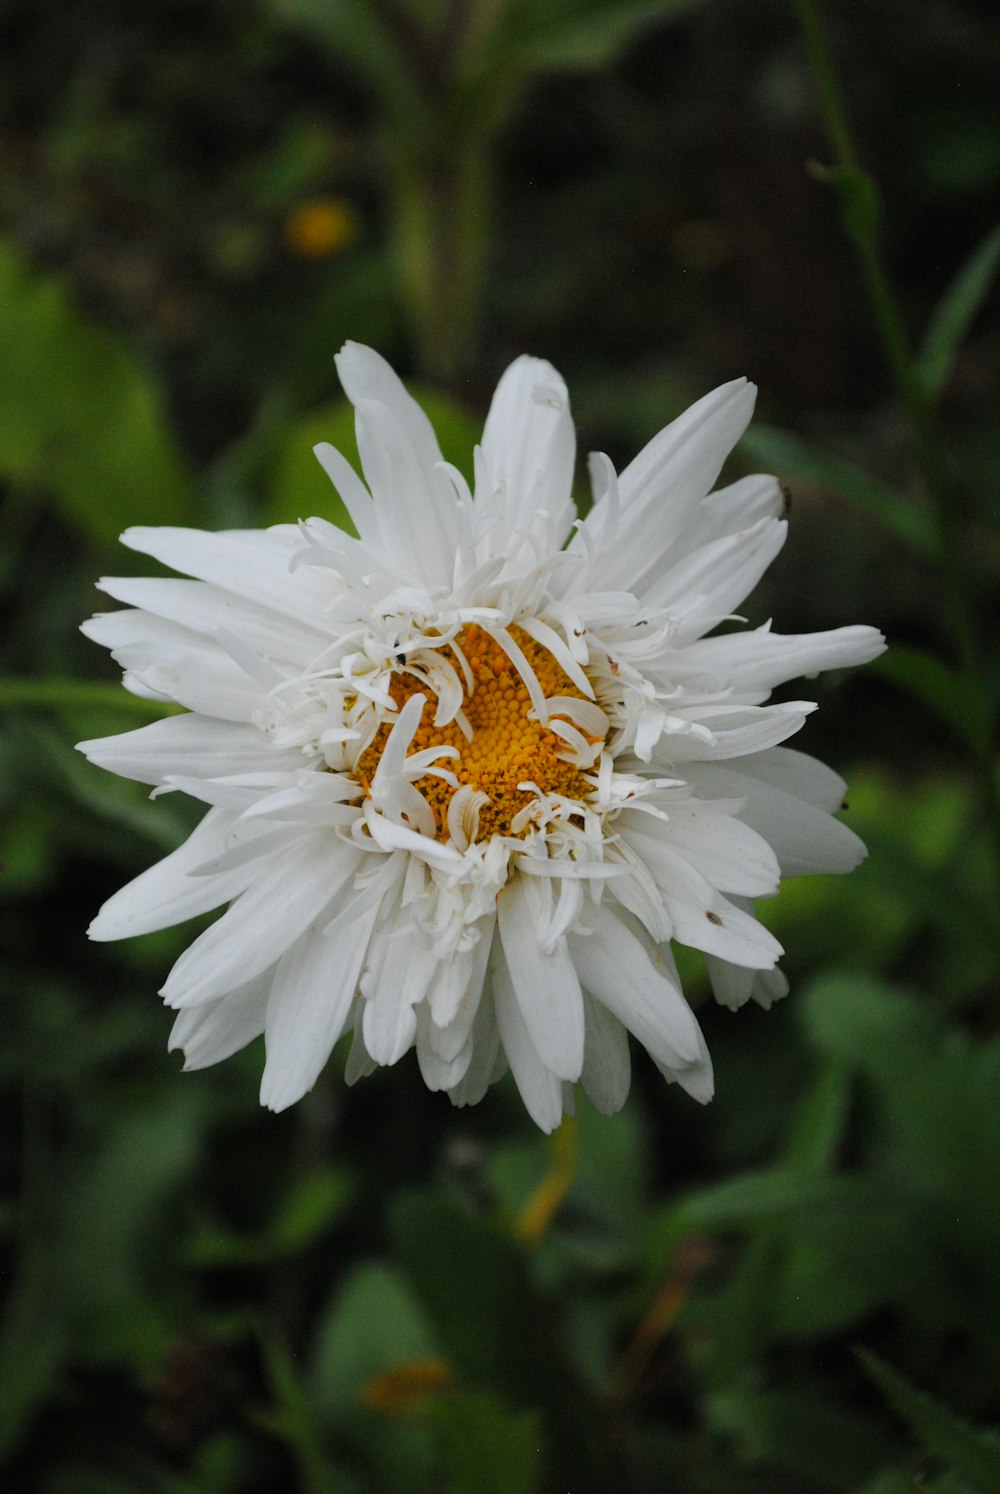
263 923
727 852
416 502
545 984
607 1067
210 1033
662 486
701 916
204 609
729 509
804 839
796 773
193 746
169 892
696 1078
720 575
529 449
487 1056
309 1008
646 999
764 659
541 1089
401 981
732 985
252 563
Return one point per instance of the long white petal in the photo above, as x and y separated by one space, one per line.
252 563
309 1008
545 984
193 746
607 1067
804 839
541 1089
169 892
210 1033
647 1000
726 851
529 448
262 924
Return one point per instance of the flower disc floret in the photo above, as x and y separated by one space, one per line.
505 754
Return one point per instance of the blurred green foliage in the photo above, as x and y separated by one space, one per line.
795 1290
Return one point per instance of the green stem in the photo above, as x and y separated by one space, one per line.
861 218
18 693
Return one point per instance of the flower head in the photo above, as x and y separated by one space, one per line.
472 769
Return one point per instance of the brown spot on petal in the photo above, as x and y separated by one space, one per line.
713 917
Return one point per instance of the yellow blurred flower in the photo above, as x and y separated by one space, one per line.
321 227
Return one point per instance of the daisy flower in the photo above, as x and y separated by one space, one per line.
471 770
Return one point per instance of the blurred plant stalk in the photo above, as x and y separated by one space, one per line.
446 76
861 206
443 89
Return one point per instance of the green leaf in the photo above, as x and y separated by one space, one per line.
114 1239
802 1434
946 692
941 1431
301 489
372 1324
568 34
310 1208
494 1327
356 33
756 1197
955 313
483 1447
80 416
297 1424
791 457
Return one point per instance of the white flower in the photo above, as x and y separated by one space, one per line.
467 782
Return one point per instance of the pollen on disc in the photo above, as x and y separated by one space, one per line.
507 746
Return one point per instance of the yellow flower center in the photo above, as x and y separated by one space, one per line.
508 747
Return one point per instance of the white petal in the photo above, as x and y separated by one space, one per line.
661 488
796 773
545 984
208 1034
252 563
701 916
487 1056
440 1071
616 969
804 839
529 449
738 731
309 1007
168 892
697 1078
366 376
762 659
727 852
263 923
204 609
398 983
720 575
193 746
732 985
729 509
607 1067
541 1089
